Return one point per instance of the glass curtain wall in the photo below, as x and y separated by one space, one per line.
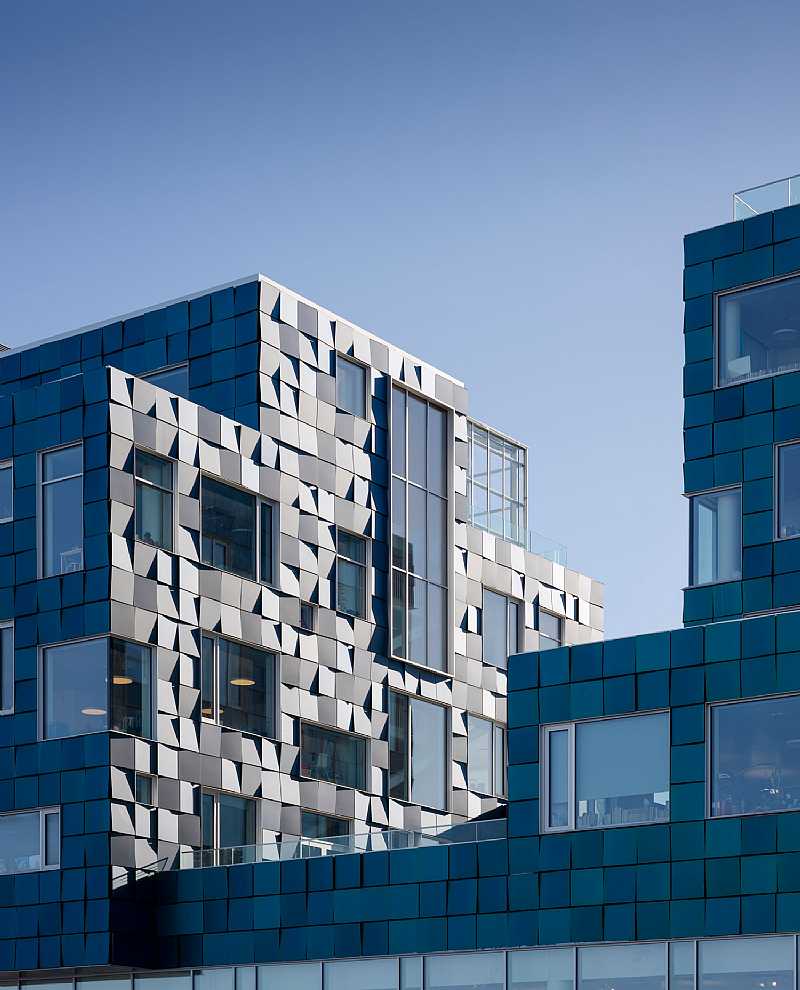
496 484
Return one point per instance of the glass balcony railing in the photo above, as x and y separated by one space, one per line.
196 859
769 196
547 548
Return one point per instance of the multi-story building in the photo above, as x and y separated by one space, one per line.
652 838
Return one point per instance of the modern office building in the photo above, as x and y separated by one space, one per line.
652 835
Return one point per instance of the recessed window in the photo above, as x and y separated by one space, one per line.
6 668
551 634
716 537
486 762
239 686
62 510
351 387
227 821
417 751
30 841
788 491
6 492
755 756
96 685
175 380
317 826
153 499
228 526
500 628
308 616
496 485
758 331
145 789
612 771
338 757
268 517
351 574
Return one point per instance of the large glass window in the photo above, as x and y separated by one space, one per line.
95 685
6 668
419 530
361 974
351 387
227 821
622 967
175 379
6 492
317 826
758 331
716 537
30 840
788 491
228 527
496 484
486 756
62 510
153 499
551 633
746 962
612 771
290 976
755 756
500 628
541 969
338 757
417 751
351 574
239 686
471 971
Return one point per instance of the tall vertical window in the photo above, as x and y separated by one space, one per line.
338 757
419 530
6 492
153 499
268 518
239 686
496 486
500 628
30 841
486 764
95 685
716 537
788 491
228 527
351 574
62 510
550 631
417 751
6 668
351 387
227 821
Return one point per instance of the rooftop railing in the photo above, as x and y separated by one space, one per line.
769 196
198 859
545 547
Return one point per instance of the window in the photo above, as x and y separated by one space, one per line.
30 840
419 531
755 756
541 969
351 387
716 537
317 826
228 527
601 967
239 686
175 380
308 616
499 628
268 539
359 974
468 971
550 632
417 751
758 331
486 756
6 492
338 757
351 574
153 499
788 491
496 484
227 821
95 685
62 510
612 771
145 789
7 668
746 962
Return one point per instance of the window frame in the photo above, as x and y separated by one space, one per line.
366 566
143 481
43 812
324 814
349 359
520 624
216 793
559 619
40 686
544 771
275 537
776 493
40 523
493 755
448 749
148 377
8 464
9 624
691 496
153 778
276 667
475 426
367 740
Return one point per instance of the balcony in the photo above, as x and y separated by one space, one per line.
769 196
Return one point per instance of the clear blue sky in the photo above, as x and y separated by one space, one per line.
501 188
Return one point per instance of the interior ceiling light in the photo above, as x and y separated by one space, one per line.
121 679
242 682
93 711
785 332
